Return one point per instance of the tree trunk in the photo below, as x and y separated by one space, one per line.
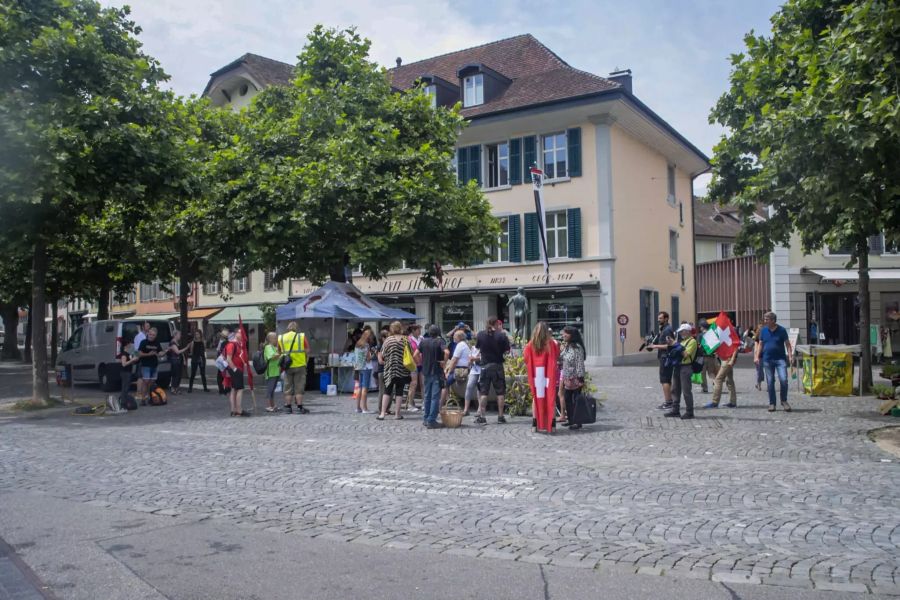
54 331
340 272
26 351
184 290
10 315
865 356
41 388
103 304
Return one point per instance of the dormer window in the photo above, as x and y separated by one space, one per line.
431 92
473 87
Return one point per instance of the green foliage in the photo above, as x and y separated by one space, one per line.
885 392
518 392
339 165
813 123
268 316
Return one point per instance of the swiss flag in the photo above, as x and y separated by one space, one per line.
728 335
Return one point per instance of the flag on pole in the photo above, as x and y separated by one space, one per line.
245 350
721 337
537 180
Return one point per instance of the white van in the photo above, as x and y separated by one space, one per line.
93 347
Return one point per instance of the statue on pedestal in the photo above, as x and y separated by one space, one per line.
519 313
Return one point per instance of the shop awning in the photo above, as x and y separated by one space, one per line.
164 316
199 314
229 314
853 275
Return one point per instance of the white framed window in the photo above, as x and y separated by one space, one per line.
240 285
497 156
557 235
889 247
211 288
555 155
724 250
431 92
473 90
673 250
670 184
499 250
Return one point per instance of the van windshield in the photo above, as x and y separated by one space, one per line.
131 328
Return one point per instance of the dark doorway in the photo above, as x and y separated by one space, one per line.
839 320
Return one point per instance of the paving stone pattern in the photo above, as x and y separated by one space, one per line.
738 495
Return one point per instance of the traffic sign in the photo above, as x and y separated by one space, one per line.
621 333
622 320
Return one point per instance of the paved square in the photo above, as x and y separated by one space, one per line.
799 499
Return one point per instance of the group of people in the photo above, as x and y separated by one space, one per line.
679 350
146 352
404 360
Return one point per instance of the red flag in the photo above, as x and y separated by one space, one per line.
731 343
245 350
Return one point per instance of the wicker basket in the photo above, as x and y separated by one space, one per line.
451 414
451 418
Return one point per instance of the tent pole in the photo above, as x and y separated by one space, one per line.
336 386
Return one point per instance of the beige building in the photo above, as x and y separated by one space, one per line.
618 194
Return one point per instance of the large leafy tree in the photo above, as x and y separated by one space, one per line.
339 167
79 124
813 121
188 240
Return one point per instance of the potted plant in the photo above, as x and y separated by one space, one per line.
891 372
883 392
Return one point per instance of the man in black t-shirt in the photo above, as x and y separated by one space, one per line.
432 352
493 343
666 331
149 352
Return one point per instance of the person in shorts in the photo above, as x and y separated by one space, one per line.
237 365
492 343
150 351
666 331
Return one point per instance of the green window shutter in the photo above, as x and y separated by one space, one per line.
475 163
656 305
532 242
573 139
574 221
515 238
642 299
529 156
515 161
462 164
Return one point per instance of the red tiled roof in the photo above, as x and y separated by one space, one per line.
538 75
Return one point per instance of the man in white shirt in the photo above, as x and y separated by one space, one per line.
458 366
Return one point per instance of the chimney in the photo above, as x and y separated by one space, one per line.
622 77
399 61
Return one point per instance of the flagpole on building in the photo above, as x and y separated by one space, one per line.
537 180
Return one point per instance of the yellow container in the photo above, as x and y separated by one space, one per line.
828 374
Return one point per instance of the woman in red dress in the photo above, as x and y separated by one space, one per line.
541 356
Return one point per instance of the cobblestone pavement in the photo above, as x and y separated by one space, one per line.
799 499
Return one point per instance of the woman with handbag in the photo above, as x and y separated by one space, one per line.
396 370
541 357
572 379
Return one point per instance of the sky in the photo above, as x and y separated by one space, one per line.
678 51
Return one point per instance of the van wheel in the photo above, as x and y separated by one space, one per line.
107 384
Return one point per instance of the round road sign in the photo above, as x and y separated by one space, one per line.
622 320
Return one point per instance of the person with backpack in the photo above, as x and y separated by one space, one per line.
234 374
150 351
294 348
271 359
682 371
